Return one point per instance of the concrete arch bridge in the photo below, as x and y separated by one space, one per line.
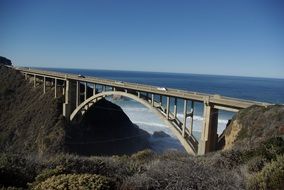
78 100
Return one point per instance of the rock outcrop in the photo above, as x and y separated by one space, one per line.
254 125
5 61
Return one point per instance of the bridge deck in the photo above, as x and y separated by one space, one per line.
220 102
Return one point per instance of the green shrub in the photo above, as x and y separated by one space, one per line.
270 177
256 164
47 173
273 147
76 164
143 156
186 174
229 159
16 170
269 150
11 188
76 181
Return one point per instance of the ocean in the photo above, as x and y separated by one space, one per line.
250 88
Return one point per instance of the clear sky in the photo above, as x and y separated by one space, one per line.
225 37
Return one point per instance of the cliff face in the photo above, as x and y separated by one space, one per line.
254 125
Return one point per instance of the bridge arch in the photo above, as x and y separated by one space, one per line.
84 106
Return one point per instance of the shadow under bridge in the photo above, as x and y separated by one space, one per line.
178 128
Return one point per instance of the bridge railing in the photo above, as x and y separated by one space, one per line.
195 96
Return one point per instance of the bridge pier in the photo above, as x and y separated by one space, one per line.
44 85
85 91
209 134
175 108
77 93
184 118
34 80
71 90
55 88
168 107
94 90
191 117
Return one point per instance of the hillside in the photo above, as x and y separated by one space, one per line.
253 126
30 120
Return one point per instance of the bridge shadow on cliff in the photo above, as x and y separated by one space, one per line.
106 130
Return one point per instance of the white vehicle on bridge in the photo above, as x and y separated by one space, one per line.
118 82
81 76
161 88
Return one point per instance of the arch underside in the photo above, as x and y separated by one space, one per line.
188 140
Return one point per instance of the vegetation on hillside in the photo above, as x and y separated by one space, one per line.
31 122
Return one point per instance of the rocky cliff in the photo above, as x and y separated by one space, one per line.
5 61
253 126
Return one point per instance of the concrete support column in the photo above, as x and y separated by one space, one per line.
138 94
168 107
104 88
66 106
209 135
44 85
161 100
175 108
34 80
184 117
85 91
77 93
152 99
191 117
70 95
63 88
55 88
94 90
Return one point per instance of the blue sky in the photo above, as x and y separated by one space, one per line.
223 37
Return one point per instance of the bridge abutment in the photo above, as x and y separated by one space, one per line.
209 136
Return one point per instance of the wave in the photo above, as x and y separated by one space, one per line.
154 124
137 109
150 122
200 118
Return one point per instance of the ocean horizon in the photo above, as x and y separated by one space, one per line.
157 72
